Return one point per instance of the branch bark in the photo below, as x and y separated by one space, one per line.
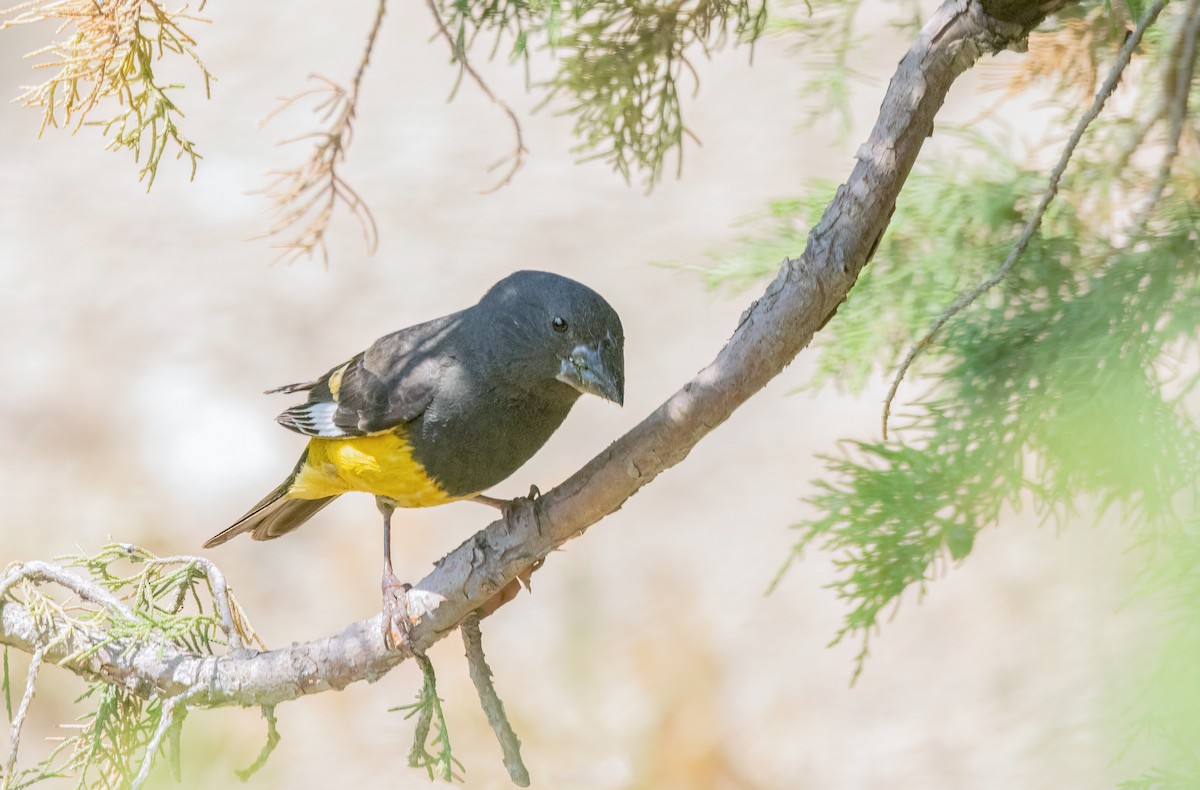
483 571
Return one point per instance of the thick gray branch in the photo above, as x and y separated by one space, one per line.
482 571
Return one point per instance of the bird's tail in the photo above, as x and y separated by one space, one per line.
277 514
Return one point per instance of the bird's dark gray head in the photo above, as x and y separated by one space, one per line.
549 330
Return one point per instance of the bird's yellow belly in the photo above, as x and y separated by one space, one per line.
381 464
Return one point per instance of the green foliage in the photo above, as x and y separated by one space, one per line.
928 256
826 41
777 232
621 68
159 591
149 116
428 710
1045 396
111 740
1163 717
622 64
169 600
1069 388
624 67
1051 390
826 38
504 20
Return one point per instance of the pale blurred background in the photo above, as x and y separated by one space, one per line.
138 331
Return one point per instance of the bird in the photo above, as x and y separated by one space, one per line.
443 410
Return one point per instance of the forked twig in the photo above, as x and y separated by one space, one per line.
1035 221
233 624
517 156
304 198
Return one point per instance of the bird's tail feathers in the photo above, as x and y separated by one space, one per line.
277 514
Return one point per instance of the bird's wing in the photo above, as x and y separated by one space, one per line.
389 384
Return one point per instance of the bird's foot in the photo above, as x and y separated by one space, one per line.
397 624
511 508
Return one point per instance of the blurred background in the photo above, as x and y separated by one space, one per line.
138 330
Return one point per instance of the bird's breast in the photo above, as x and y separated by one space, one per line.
469 444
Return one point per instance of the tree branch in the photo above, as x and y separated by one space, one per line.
803 296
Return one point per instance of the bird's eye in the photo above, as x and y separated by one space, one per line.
559 325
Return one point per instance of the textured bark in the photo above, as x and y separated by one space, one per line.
482 572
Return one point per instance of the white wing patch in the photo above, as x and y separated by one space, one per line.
312 419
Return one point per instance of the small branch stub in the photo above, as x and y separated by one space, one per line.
481 676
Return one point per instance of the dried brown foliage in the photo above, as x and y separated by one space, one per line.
1068 57
304 198
107 49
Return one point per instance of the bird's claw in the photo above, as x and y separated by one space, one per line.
510 509
513 508
397 624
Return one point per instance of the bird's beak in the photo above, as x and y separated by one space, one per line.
593 372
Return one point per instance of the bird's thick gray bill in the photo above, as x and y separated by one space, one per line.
587 370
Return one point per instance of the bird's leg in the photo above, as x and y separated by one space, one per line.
509 507
397 627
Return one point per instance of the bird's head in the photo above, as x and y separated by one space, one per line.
550 330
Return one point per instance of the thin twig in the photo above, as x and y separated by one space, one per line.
517 157
220 594
380 10
309 193
268 747
41 572
1035 221
1185 66
481 676
165 719
35 664
1137 136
